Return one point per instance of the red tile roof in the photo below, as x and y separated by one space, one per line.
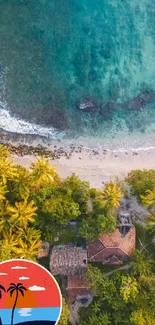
77 286
112 247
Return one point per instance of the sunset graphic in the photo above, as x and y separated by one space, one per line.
29 294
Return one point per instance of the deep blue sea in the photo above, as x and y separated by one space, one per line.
29 314
54 53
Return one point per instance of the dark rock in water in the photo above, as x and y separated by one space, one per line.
86 105
107 110
146 97
92 75
136 103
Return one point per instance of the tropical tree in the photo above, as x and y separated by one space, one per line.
98 319
141 317
80 191
8 245
129 288
64 314
61 208
141 181
29 234
43 173
3 191
148 201
29 250
1 289
110 196
22 213
22 183
4 152
17 289
5 223
94 224
141 264
8 170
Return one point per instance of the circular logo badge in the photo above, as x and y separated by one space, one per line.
29 294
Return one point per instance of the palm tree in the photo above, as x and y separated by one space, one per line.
141 264
8 245
22 213
17 288
110 196
29 250
4 218
3 191
22 182
1 288
29 234
148 201
8 170
42 172
4 152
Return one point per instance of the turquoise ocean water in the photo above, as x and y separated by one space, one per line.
29 314
53 53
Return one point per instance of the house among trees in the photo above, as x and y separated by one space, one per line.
68 260
77 286
115 247
109 248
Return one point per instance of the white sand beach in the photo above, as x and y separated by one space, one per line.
97 167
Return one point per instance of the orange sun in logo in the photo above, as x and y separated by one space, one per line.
28 301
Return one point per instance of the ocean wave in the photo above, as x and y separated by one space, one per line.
16 125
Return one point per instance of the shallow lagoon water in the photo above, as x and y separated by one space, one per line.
54 53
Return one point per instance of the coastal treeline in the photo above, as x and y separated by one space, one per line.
37 205
35 202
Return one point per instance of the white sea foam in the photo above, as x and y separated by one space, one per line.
13 124
16 125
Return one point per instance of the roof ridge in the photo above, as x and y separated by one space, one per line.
98 253
122 241
102 242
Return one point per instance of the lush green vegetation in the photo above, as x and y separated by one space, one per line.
141 181
123 298
36 204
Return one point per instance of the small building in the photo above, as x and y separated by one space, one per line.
113 248
68 260
77 286
44 250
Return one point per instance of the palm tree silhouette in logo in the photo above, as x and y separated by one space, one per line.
1 289
18 288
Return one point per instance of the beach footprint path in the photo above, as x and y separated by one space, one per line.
29 294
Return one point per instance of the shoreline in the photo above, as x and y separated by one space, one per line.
94 165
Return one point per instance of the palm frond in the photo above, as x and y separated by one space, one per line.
2 288
21 291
